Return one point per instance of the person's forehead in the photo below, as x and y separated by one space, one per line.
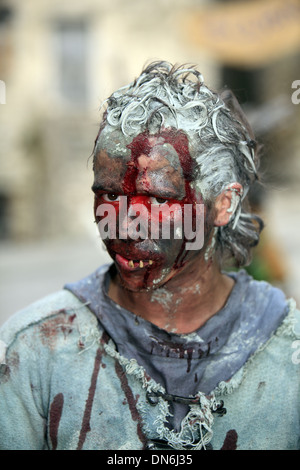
173 144
156 158
114 142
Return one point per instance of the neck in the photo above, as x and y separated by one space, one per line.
184 303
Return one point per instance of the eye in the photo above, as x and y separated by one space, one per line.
158 200
110 197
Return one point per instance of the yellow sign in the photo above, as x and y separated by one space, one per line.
249 34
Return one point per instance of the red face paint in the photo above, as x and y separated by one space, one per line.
160 165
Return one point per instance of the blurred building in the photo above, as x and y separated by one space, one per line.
60 59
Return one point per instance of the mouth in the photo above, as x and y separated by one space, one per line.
132 264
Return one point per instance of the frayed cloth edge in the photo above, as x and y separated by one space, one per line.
199 420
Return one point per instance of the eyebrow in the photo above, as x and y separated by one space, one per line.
97 187
100 187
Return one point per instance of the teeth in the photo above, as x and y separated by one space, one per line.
141 263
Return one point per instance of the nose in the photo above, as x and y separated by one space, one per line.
134 219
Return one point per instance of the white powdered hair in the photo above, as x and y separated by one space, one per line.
221 141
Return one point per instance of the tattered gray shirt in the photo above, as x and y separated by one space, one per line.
185 364
79 372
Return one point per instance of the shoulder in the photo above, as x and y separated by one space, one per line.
57 312
278 358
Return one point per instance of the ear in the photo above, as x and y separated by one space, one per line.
226 204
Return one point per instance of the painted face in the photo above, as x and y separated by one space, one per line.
146 181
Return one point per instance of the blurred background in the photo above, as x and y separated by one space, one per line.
60 59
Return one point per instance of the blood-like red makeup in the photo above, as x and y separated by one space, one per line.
160 171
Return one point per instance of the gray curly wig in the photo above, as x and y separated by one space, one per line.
222 142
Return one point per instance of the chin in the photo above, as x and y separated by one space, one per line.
149 282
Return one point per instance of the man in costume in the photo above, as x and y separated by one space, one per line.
162 349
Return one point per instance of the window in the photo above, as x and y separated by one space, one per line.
71 57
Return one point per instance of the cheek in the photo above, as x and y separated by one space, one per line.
98 201
96 204
167 229
106 216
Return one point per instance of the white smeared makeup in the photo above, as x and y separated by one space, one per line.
221 142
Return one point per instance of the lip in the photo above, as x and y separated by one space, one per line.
132 264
